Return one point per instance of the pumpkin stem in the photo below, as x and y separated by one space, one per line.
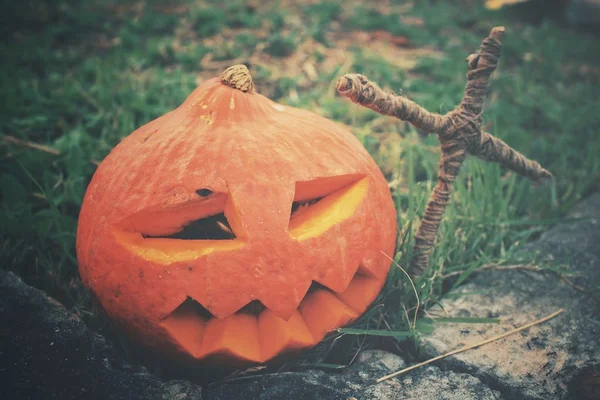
238 77
459 132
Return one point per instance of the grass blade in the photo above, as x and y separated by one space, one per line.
374 332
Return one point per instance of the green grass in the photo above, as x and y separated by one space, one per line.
81 76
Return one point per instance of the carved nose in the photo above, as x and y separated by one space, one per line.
261 210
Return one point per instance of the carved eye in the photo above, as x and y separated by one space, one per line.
214 227
322 203
183 231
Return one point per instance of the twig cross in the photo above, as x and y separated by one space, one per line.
459 132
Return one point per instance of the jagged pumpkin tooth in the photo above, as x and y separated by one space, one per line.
362 270
235 337
278 335
323 311
186 328
376 263
361 292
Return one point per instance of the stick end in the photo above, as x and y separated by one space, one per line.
497 33
543 177
344 84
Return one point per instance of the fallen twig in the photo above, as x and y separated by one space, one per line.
36 146
497 267
472 346
31 145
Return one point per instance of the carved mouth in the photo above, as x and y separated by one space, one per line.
256 334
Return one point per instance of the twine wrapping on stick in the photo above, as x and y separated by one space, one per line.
459 132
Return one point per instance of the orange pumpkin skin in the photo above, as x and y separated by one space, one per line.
256 158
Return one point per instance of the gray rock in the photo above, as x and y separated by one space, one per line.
357 382
48 353
556 360
583 12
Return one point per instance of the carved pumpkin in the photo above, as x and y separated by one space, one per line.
202 231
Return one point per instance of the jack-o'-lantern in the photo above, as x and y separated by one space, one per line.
202 232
